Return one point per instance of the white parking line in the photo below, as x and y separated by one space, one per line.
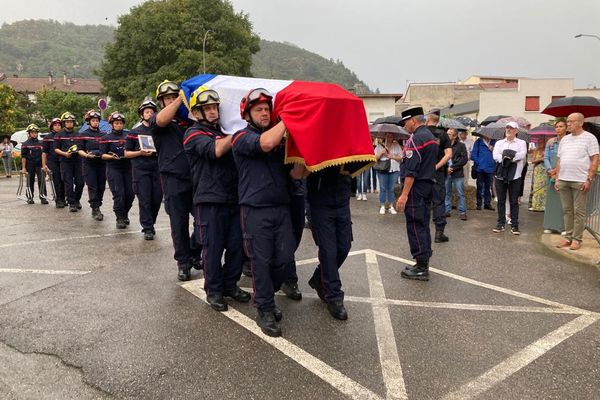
384 331
331 376
521 359
43 271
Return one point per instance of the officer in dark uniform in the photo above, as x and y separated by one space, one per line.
118 168
265 204
31 163
329 198
50 161
441 167
418 174
167 132
94 168
144 164
65 145
215 180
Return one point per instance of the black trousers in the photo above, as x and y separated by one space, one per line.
119 181
513 188
147 187
218 231
35 170
72 176
59 186
179 206
269 245
297 213
418 212
332 232
94 173
439 201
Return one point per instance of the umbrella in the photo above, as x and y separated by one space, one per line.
587 105
14 142
543 129
392 119
522 122
466 121
379 131
493 118
496 131
449 123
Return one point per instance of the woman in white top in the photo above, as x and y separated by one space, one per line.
388 150
6 149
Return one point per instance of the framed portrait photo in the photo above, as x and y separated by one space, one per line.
146 143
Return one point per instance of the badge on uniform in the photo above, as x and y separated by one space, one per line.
72 149
408 154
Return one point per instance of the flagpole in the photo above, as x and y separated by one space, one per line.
203 50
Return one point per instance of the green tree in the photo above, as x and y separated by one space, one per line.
52 103
8 109
161 40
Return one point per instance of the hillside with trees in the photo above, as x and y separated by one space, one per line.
36 47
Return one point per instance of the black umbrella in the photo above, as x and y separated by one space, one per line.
492 118
467 121
14 142
449 123
496 131
587 105
392 119
380 130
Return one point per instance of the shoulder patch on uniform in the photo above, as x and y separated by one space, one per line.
408 154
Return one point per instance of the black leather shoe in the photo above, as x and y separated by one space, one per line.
268 324
72 208
197 263
246 269
291 291
278 314
127 221
121 224
97 214
315 284
78 205
419 272
489 207
337 310
184 272
217 302
60 204
30 201
148 235
440 237
237 294
44 201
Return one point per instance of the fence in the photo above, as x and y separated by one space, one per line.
592 216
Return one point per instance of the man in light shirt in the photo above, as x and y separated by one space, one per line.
510 154
576 169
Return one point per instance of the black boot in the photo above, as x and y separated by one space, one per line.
78 205
217 302
268 324
183 273
419 272
277 314
316 284
127 221
337 310
44 201
149 235
30 201
440 237
97 214
60 204
237 294
291 291
121 224
197 262
72 208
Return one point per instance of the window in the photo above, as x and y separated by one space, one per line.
532 103
557 97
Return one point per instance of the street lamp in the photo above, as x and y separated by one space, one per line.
203 50
583 34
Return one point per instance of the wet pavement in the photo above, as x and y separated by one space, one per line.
87 311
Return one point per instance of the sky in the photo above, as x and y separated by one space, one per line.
389 43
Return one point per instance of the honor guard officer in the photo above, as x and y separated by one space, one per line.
215 180
418 174
329 198
118 168
65 145
94 168
144 169
265 204
50 161
31 163
439 186
167 132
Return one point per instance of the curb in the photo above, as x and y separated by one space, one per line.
577 256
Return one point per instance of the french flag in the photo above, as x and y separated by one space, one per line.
327 125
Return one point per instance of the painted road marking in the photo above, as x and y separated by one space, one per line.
328 374
388 352
44 271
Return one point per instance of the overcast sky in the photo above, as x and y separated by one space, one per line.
390 42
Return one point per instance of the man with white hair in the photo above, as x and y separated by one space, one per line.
576 169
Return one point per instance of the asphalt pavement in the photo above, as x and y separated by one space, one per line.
89 312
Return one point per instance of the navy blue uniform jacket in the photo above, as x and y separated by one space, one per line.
114 142
31 150
169 146
420 155
147 163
